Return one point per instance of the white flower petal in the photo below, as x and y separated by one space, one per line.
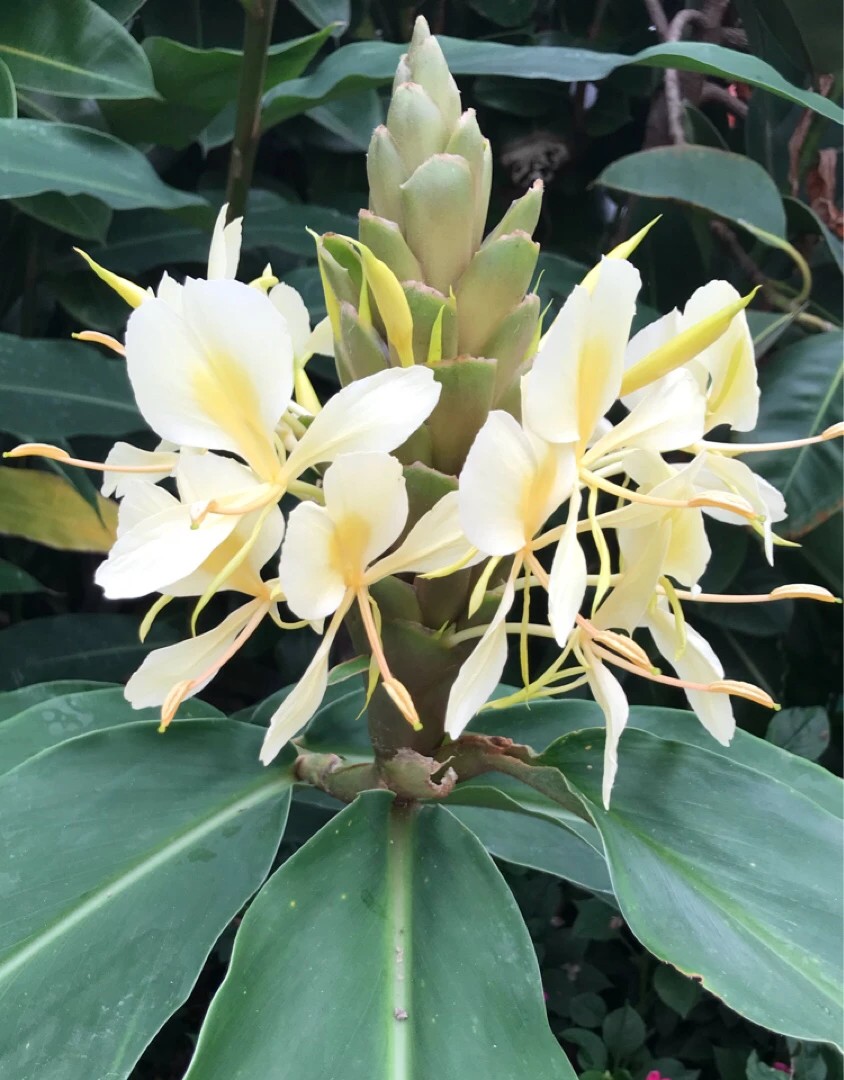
720 472
733 396
158 550
312 582
376 413
291 305
141 501
218 375
482 670
567 581
163 668
668 415
224 254
435 542
299 705
366 499
124 454
510 485
697 663
610 696
321 340
649 338
577 372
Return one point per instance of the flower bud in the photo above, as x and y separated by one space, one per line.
511 343
384 240
426 307
465 401
467 142
416 125
360 351
522 215
426 65
385 173
494 283
437 203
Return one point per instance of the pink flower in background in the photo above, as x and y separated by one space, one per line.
655 1074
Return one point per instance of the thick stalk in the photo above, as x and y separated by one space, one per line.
257 31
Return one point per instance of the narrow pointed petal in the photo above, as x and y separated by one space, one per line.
625 606
376 413
224 254
290 304
299 705
610 696
567 581
696 663
163 668
669 415
481 672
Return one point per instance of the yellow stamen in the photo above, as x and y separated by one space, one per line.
101 339
605 566
396 690
481 585
149 618
735 504
55 453
679 619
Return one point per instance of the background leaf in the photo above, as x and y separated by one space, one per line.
73 48
44 508
730 185
131 854
41 156
716 891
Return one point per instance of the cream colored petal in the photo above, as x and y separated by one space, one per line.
321 339
170 291
610 696
376 413
511 483
308 571
481 672
290 304
668 415
697 663
140 502
224 254
217 376
163 668
577 372
436 541
159 550
366 499
733 396
124 454
625 607
202 477
644 342
299 705
722 473
567 581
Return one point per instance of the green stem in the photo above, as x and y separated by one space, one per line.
257 31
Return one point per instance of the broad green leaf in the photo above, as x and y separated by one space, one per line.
676 991
539 724
73 48
715 868
623 1031
68 716
43 507
819 23
274 222
381 930
730 185
526 837
13 702
352 119
75 646
801 395
127 853
8 94
58 389
122 10
14 580
802 731
42 156
79 215
196 84
373 63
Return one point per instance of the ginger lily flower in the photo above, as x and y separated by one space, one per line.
330 559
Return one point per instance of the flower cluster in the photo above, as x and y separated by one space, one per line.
218 371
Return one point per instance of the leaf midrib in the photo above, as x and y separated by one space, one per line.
61 65
262 791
